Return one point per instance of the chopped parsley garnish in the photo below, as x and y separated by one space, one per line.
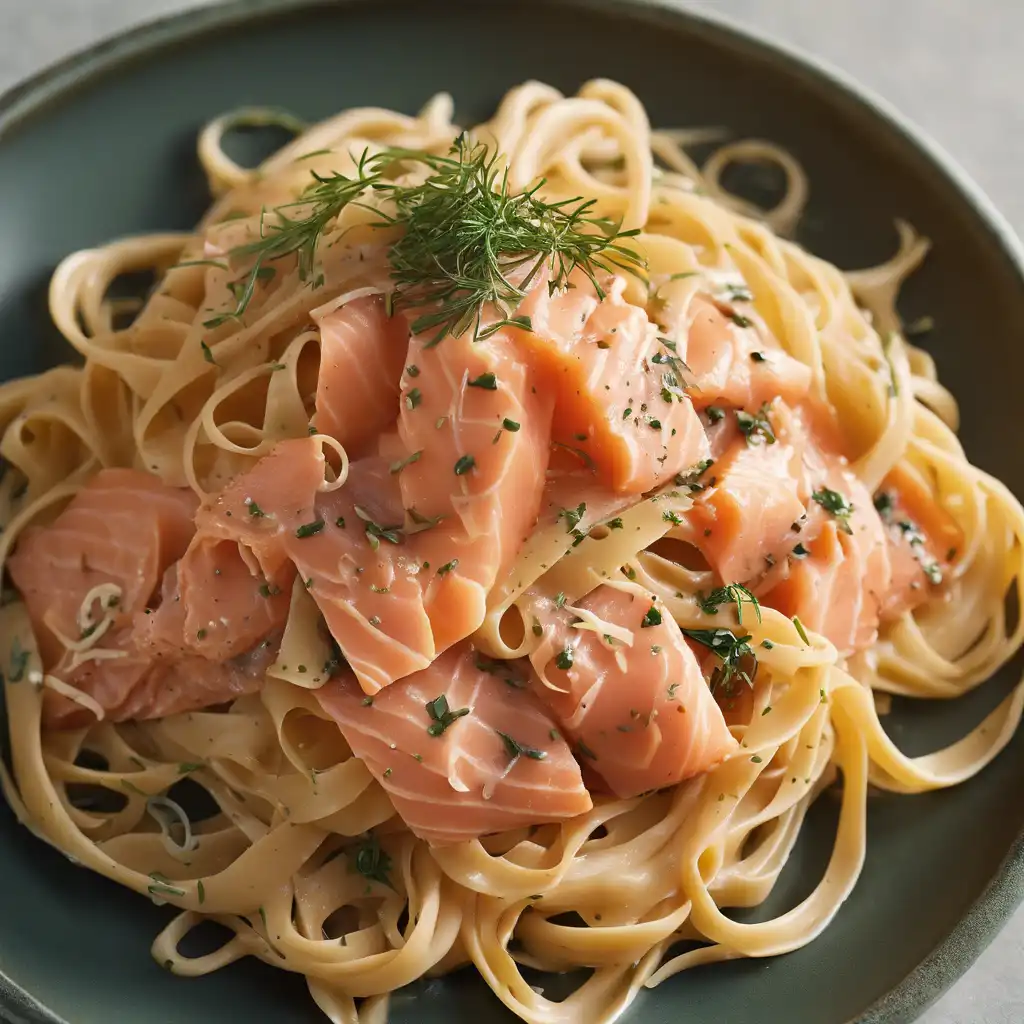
443 570
371 861
835 504
740 321
487 381
756 427
614 524
672 517
400 464
310 529
573 516
651 618
731 593
269 590
715 413
510 425
564 659
413 398
517 750
800 551
730 650
464 465
691 478
375 533
560 600
758 357
884 505
441 715
340 522
254 510
413 370
767 644
207 353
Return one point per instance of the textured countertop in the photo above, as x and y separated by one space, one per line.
953 66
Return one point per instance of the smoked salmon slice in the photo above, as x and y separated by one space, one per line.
749 515
401 558
213 605
838 579
348 546
461 748
362 354
116 539
735 361
628 690
138 687
924 539
123 529
620 390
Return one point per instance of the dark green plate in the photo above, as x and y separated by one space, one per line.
103 146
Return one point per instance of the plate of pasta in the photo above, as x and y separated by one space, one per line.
493 537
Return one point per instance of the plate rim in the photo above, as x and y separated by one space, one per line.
950 959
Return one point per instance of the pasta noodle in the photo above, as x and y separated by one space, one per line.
199 399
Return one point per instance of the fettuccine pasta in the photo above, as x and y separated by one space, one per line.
554 698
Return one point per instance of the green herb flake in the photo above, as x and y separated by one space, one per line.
731 651
464 464
756 427
310 529
400 464
487 381
371 861
836 505
652 618
413 398
731 593
516 749
441 715
573 516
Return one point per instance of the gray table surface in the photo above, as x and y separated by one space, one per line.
954 66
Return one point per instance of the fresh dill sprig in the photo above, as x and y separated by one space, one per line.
464 235
466 232
282 234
